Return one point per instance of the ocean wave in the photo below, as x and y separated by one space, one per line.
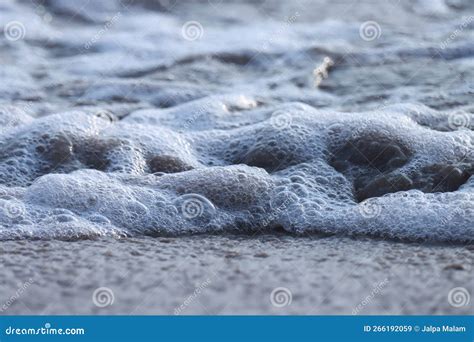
108 132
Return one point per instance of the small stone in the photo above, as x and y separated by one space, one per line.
168 164
456 267
261 255
59 150
232 255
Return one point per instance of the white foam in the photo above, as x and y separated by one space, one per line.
299 190
227 132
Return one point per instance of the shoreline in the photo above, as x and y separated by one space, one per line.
234 275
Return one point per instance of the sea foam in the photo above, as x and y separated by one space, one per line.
122 125
379 173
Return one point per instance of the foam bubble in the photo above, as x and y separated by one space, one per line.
119 126
90 176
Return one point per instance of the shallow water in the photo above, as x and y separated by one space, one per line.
154 118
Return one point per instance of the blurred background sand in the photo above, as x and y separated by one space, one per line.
235 275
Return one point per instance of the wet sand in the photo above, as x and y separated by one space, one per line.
234 275
105 64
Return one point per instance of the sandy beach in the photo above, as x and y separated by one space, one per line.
235 275
236 157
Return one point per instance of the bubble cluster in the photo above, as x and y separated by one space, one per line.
165 126
93 176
